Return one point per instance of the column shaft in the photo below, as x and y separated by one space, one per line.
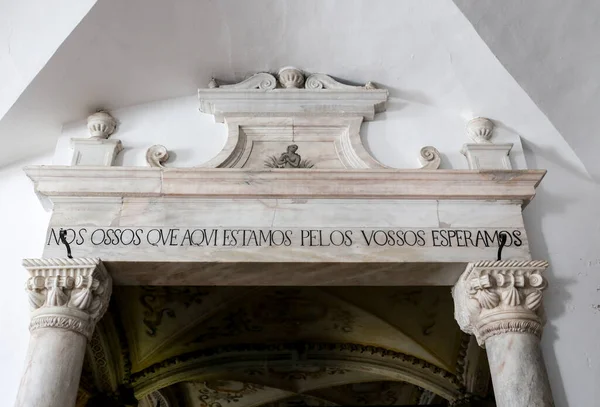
500 303
518 371
67 297
52 368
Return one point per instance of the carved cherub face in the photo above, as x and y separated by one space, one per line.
292 148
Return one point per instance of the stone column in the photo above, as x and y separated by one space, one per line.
67 297
500 302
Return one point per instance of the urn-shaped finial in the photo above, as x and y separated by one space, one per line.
101 125
480 130
290 77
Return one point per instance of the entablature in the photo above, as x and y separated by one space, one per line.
505 185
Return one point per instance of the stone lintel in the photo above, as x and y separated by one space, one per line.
61 181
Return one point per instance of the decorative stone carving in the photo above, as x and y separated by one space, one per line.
223 392
290 77
484 155
430 158
322 116
260 81
494 297
71 294
97 150
212 84
157 155
289 159
480 129
101 125
322 81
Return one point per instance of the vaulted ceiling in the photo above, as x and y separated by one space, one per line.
125 53
267 346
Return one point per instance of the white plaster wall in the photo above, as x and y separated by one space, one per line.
22 233
563 224
30 33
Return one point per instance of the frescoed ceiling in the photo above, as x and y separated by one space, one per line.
276 346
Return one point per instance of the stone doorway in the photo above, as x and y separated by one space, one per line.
259 214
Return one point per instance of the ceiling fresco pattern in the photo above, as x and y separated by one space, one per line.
275 346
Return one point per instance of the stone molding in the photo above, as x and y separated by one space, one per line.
291 93
341 133
95 151
496 297
54 182
67 293
488 156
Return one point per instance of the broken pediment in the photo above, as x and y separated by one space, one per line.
296 121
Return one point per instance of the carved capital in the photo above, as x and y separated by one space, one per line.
65 293
495 297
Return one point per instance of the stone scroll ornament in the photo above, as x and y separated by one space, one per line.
157 155
289 78
495 297
65 293
430 158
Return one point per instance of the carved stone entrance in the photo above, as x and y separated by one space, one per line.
292 268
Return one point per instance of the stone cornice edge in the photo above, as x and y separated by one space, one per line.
60 181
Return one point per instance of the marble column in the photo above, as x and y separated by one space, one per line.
500 302
68 297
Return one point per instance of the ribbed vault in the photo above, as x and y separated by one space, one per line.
275 346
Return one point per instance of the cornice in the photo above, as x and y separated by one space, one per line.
285 102
61 181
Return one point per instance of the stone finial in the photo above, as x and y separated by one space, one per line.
101 125
212 84
291 78
67 293
480 130
495 297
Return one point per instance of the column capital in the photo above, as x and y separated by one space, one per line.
495 297
67 293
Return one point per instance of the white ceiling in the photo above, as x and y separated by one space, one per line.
552 49
126 53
